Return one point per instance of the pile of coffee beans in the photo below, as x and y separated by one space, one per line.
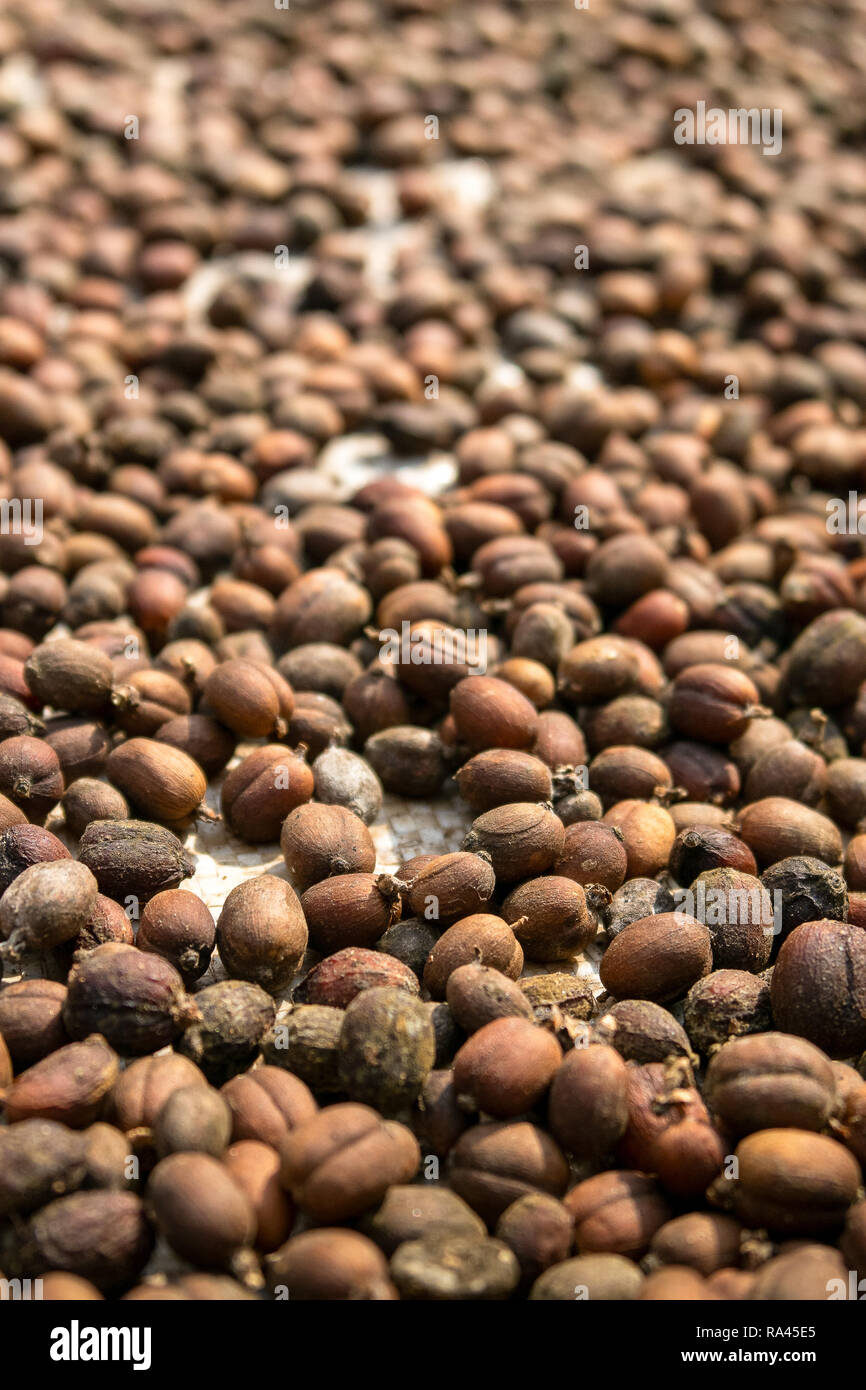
627 634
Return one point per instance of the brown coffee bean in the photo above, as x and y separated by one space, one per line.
135 1000
790 770
478 994
30 775
189 660
539 1231
103 1237
318 723
133 858
243 696
234 1016
336 980
501 776
194 1119
480 937
255 1167
261 932
242 605
154 598
389 564
739 913
617 1213
493 1164
318 841
705 774
24 845
263 789
70 1085
685 814
543 633
603 1278
846 791
10 815
201 1211
144 1086
410 1212
350 910
305 1042
446 1266
431 660
490 713
387 1047
712 703
506 1067
669 1132
507 563
409 761
648 834
82 745
808 890
656 618
776 828
320 666
641 1031
640 897
157 778
39 1159
703 1241
855 862
409 942
14 684
267 1104
726 1004
88 800
330 1265
522 840
413 519
818 984
148 700
555 995
558 741
791 1181
550 917
451 886
178 926
323 605
809 1272
374 700
45 906
107 922
422 601
70 675
619 773
588 1106
770 1080
826 663
705 847
31 1023
657 958
602 668
439 1120
592 853
341 1162
203 739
